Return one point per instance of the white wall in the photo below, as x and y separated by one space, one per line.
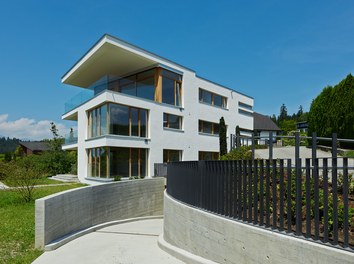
189 140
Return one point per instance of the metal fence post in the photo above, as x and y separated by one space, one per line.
252 145
314 147
334 145
270 145
297 146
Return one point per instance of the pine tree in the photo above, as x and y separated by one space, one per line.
222 137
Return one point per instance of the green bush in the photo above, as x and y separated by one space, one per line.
241 153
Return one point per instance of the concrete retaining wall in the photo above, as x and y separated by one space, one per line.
68 212
226 241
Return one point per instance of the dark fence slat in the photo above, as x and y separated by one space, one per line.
267 205
244 191
274 193
261 193
345 202
298 198
308 198
325 200
289 198
335 200
250 181
281 195
316 198
255 192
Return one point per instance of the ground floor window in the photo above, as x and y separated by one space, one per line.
112 162
208 155
170 155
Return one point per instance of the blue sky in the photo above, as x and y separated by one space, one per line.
275 51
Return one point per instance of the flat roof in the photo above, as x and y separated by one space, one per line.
114 56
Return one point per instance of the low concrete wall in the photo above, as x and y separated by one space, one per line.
68 212
226 241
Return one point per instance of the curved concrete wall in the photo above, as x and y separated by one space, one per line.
225 241
71 211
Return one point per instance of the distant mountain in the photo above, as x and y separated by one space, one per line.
8 144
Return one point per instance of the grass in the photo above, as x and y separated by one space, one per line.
17 225
349 153
2 156
42 181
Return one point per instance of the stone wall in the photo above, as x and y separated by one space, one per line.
65 213
226 241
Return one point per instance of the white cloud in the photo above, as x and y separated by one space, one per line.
25 128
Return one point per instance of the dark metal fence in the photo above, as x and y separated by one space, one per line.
311 203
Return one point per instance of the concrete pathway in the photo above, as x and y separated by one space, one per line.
134 242
3 186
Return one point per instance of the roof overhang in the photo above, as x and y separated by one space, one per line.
113 56
107 57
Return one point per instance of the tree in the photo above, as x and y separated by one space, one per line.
23 175
332 111
300 112
222 137
283 113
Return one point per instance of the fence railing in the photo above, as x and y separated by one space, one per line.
310 203
237 140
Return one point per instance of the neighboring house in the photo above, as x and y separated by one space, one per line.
34 147
145 109
262 126
302 126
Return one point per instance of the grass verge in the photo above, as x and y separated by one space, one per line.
17 225
42 181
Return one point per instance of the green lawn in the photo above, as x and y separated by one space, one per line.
43 181
349 153
17 225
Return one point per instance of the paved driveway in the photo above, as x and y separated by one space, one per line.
128 243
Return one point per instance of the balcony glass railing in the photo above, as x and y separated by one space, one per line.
142 85
79 99
71 138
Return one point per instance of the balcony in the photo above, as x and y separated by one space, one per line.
156 84
71 138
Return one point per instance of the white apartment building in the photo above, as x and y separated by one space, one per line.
145 109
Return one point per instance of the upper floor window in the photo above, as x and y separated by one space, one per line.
208 127
118 119
244 105
171 87
212 98
156 84
246 113
172 121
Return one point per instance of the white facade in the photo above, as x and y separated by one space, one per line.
188 140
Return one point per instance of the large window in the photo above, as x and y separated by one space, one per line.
97 121
156 84
170 155
212 98
208 127
118 119
208 155
98 165
111 162
171 88
172 121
